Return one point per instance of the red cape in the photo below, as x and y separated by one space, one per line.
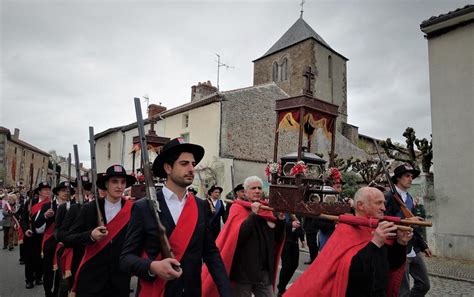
226 242
329 274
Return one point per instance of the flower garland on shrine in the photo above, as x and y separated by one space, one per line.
299 168
333 176
273 168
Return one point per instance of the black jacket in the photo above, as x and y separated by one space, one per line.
393 209
370 267
101 275
142 237
63 229
50 244
26 222
215 219
255 253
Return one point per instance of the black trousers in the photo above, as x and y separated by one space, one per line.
50 278
289 262
32 257
312 240
22 251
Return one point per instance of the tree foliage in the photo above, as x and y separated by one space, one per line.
350 184
408 154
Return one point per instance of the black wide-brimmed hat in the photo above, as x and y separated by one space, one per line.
43 185
115 170
192 189
176 145
86 183
213 188
402 169
64 185
239 187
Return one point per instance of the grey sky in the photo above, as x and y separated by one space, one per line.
67 65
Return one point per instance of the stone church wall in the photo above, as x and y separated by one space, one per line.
299 56
248 122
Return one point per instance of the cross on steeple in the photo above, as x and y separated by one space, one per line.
308 75
301 12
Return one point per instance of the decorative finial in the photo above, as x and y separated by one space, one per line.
301 12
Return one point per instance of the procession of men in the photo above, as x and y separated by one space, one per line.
79 243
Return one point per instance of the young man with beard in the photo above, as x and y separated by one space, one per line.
185 220
99 274
47 216
33 237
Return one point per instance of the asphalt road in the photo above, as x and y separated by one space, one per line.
12 282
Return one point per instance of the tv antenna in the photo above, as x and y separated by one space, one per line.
219 65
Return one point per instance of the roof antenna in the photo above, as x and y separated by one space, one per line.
219 65
301 12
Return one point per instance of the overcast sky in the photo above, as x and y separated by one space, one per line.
67 65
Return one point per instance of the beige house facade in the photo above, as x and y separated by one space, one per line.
451 65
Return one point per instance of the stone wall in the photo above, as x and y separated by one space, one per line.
22 158
330 86
299 57
248 122
3 146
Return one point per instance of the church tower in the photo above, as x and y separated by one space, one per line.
285 62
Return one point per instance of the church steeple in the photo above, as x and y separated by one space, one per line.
298 32
301 47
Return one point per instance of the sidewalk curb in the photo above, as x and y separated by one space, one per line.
451 277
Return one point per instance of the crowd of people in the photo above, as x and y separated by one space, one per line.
219 247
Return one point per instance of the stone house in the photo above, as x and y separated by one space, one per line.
18 158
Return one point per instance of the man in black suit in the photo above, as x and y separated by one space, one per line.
34 236
48 214
402 177
185 219
98 274
217 210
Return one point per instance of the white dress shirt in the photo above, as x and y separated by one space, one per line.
404 196
111 209
174 205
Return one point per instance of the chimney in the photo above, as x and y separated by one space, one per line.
16 134
154 110
202 90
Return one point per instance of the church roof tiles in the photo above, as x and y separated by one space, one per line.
299 32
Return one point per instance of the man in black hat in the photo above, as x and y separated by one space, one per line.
86 187
185 219
70 254
239 194
402 178
217 209
34 236
46 217
99 273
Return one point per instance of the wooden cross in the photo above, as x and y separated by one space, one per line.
308 75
